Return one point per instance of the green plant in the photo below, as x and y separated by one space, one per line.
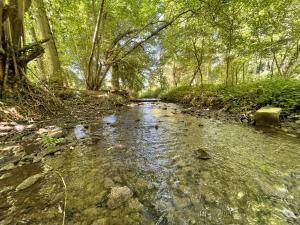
51 141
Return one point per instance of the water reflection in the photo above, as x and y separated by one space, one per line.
80 132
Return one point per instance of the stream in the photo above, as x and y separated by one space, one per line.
150 155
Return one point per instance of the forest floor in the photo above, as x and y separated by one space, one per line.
64 109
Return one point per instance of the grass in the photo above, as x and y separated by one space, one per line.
278 92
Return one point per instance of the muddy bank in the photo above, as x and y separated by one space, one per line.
152 164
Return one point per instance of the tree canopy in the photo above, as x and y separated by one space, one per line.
127 44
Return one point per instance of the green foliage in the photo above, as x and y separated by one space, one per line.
278 92
51 141
151 93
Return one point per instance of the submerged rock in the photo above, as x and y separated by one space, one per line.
288 213
29 182
6 175
7 167
6 190
134 205
201 154
118 196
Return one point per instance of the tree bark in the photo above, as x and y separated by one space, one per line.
199 59
2 58
55 76
196 70
40 62
91 80
115 78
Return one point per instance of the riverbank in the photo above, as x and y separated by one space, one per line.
52 117
240 102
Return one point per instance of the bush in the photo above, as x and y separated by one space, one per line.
278 92
151 93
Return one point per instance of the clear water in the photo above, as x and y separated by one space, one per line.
253 177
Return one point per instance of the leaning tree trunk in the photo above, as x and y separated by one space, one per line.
14 55
39 12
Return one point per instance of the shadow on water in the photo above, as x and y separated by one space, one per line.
151 148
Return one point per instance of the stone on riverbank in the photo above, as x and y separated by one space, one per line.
268 116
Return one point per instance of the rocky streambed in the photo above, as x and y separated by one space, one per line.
149 164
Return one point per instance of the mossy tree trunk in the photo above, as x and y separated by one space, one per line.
55 70
14 54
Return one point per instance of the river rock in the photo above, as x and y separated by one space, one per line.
6 190
54 132
29 182
268 116
6 175
288 213
118 196
201 154
9 166
134 205
57 133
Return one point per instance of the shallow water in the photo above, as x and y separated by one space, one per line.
253 177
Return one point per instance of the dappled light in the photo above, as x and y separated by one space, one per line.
152 112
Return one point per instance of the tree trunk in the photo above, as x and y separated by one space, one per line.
199 59
227 67
244 71
56 78
115 78
40 62
2 58
237 75
174 75
194 76
92 81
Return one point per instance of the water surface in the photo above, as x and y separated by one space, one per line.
253 177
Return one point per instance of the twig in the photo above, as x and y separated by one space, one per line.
65 204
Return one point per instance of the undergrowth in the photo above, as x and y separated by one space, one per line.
278 92
151 93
